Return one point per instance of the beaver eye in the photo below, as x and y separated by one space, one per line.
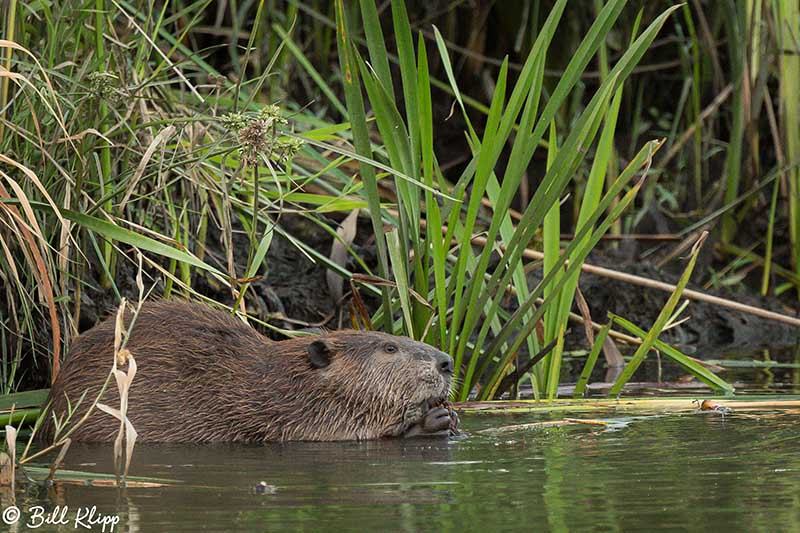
390 348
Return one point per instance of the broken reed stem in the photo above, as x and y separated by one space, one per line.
682 404
651 284
667 287
687 293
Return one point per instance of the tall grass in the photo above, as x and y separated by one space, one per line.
109 146
128 127
469 291
787 22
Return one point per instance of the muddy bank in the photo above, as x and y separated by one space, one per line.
711 330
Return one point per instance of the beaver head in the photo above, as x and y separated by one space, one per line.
397 379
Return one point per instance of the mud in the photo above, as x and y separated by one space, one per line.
711 330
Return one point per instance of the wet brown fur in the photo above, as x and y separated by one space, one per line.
205 376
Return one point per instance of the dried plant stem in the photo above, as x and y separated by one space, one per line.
627 404
663 286
688 293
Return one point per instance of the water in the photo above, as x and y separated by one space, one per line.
691 472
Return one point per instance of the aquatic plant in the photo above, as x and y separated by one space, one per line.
467 318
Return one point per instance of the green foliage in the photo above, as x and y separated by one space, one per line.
468 291
125 127
787 18
110 145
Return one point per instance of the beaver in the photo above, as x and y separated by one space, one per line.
205 376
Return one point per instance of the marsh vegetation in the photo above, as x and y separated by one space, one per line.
441 170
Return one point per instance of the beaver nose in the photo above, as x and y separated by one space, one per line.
444 363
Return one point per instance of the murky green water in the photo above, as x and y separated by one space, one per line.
696 472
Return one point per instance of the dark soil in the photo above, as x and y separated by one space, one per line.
711 330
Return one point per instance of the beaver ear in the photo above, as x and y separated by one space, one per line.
319 353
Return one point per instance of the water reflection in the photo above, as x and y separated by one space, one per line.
692 472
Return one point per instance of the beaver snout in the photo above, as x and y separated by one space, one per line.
444 363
